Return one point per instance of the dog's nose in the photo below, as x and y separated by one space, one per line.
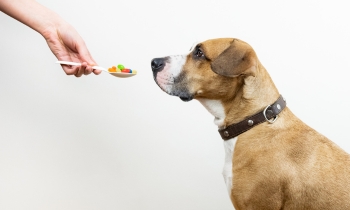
157 64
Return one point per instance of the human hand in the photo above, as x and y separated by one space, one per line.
67 45
63 40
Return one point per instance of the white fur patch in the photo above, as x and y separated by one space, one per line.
216 108
176 63
229 146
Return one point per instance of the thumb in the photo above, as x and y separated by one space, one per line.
85 56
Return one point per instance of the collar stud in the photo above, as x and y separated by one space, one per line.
226 134
250 122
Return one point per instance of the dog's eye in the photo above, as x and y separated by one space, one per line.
198 53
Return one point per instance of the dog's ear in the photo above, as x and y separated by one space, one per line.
239 58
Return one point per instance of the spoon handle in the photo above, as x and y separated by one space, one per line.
100 68
69 63
79 64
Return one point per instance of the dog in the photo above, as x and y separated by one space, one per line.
273 160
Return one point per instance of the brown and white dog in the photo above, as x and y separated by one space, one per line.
278 164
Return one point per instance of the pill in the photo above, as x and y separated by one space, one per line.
121 67
112 70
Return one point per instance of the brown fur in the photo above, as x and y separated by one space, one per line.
285 165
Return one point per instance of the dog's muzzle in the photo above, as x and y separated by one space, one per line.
168 76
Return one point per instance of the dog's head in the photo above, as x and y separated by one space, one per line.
212 70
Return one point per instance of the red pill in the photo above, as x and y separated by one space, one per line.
126 70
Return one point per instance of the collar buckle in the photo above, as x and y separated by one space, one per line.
272 120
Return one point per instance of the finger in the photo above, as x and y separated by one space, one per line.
69 70
86 56
81 70
97 72
88 70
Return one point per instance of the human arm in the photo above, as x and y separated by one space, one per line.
63 40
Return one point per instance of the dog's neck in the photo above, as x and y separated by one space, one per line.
215 108
256 93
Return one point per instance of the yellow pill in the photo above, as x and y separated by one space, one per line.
112 70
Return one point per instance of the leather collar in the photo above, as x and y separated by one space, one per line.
269 114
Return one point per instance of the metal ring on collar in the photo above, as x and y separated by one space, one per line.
272 120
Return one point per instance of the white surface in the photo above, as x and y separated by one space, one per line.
100 142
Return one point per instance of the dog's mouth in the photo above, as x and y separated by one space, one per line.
181 92
174 86
175 90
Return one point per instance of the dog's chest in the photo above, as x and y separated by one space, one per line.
229 146
217 110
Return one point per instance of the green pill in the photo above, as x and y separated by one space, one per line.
121 67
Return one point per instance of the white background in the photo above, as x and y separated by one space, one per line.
100 142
